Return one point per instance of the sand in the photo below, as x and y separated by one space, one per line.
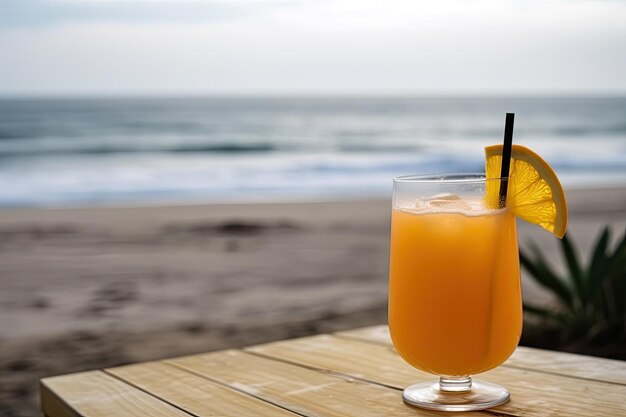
84 288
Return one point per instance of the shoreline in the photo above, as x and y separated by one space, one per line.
618 187
615 190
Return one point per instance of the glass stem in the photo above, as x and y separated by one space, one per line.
455 384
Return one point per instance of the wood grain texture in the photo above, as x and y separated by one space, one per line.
569 364
533 393
558 363
350 374
307 392
377 334
95 394
195 394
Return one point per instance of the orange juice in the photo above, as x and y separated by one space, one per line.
454 289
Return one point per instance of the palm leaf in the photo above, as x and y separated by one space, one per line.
543 274
615 284
618 297
617 260
575 269
598 264
593 297
621 247
540 311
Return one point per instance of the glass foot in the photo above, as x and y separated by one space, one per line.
455 394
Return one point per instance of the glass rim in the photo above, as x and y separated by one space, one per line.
448 178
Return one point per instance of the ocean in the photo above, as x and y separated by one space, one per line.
67 152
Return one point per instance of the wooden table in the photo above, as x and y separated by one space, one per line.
353 373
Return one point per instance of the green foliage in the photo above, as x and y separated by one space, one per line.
592 297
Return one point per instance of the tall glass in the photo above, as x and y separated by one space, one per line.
455 305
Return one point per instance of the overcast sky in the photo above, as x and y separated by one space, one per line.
312 46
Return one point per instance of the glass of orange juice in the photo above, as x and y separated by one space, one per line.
455 306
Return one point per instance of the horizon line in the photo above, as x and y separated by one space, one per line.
4 95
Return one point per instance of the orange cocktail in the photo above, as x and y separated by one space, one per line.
455 306
454 291
455 302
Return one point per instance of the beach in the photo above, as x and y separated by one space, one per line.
187 177
82 288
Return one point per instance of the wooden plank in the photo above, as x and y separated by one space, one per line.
195 394
377 334
533 393
95 394
304 391
370 362
570 364
558 363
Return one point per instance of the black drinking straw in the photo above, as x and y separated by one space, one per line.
506 157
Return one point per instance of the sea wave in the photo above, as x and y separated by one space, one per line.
110 150
59 152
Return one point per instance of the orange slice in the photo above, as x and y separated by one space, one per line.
534 191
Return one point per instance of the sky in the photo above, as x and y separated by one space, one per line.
76 47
